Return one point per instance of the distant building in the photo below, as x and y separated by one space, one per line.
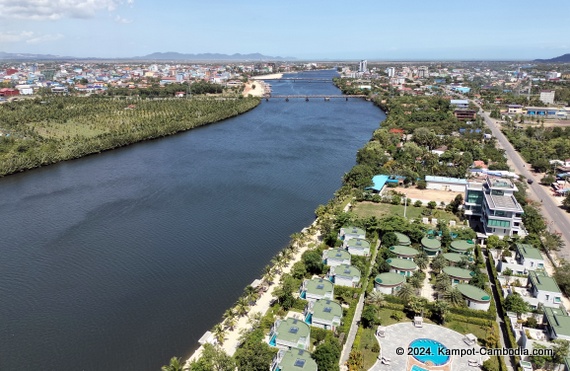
547 96
460 103
290 333
293 359
363 66
391 71
423 72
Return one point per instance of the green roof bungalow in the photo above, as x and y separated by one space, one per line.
357 246
529 257
403 240
334 257
431 246
345 275
474 296
557 323
462 246
349 232
458 275
404 252
455 258
545 289
316 288
404 267
324 313
388 282
290 333
293 360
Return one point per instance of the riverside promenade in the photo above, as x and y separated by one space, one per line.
244 324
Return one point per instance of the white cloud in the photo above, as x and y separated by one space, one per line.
27 37
56 9
122 20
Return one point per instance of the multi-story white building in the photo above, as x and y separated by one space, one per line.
493 204
547 96
363 66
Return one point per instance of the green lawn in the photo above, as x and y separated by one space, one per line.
367 209
367 343
468 328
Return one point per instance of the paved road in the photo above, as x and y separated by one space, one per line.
554 215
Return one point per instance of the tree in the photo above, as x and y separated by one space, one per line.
174 365
441 309
213 358
313 262
532 220
389 239
421 261
438 263
425 137
369 316
254 354
376 298
562 277
406 292
219 333
432 205
560 350
355 360
327 354
284 291
442 282
515 303
416 305
454 296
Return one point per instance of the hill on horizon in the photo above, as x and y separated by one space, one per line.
168 56
560 59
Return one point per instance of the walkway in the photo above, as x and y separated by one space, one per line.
357 315
402 334
427 289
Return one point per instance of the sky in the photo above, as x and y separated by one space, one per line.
308 29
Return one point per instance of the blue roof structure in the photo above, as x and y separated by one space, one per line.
443 179
379 181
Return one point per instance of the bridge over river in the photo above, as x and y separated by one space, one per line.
309 97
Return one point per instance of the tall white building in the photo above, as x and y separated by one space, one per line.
423 72
391 71
363 66
493 204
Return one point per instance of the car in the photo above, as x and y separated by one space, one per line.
530 181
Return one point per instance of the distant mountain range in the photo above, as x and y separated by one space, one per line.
168 56
561 59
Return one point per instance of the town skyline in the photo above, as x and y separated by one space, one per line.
419 31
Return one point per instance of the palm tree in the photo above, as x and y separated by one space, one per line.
441 308
174 365
231 323
254 319
416 304
219 333
454 296
438 263
406 292
442 282
296 240
415 282
376 298
422 262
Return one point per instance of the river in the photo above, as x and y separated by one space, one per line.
121 260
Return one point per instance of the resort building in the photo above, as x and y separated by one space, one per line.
557 323
455 258
494 206
357 246
347 233
404 267
334 257
324 313
403 240
474 296
316 288
404 252
458 275
462 246
543 289
529 257
290 333
431 246
293 360
345 275
389 283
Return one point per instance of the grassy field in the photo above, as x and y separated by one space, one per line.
368 342
367 209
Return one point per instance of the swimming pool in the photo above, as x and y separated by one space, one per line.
417 368
427 351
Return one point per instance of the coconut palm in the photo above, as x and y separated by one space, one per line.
219 333
422 262
441 308
442 282
406 292
454 296
376 298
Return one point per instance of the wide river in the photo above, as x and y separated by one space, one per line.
122 260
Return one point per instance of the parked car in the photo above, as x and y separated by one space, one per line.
530 181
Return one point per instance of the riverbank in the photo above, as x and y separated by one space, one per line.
75 127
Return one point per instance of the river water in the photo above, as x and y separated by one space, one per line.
122 260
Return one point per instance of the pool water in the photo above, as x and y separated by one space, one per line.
272 341
426 351
309 319
417 368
